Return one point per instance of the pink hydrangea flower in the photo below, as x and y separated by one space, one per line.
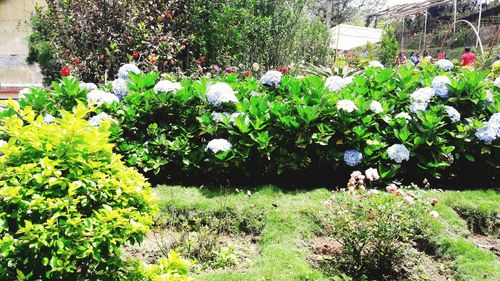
409 199
372 174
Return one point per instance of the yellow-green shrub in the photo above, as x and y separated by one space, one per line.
67 202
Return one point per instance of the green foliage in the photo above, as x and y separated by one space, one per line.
96 37
373 230
172 268
389 46
67 202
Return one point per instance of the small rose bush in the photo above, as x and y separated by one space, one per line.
374 227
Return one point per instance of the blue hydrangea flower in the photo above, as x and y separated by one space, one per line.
120 87
271 78
353 157
491 131
398 153
453 114
439 85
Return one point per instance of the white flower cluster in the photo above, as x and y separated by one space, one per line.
99 97
398 153
99 118
491 131
445 64
166 86
218 145
120 87
375 63
352 157
376 107
346 105
23 92
439 86
348 80
220 93
88 86
453 114
497 82
403 115
125 69
271 78
421 99
47 119
334 83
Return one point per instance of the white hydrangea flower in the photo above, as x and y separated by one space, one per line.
439 86
348 80
99 118
218 145
375 63
376 107
125 69
346 105
497 82
398 153
220 93
418 106
23 92
445 64
334 83
422 95
403 115
47 119
99 97
166 86
120 87
453 114
88 86
271 78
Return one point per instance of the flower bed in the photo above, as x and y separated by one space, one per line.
405 121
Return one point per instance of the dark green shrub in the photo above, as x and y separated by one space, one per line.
67 202
389 46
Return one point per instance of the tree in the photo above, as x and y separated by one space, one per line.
388 46
334 12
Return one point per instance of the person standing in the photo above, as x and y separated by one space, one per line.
468 58
401 59
441 55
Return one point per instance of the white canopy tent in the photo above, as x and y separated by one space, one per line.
346 37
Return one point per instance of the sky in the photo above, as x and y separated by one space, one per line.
397 2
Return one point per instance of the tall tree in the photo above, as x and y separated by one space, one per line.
334 12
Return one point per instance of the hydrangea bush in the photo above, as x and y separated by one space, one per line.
395 119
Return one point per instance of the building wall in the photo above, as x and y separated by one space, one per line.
14 31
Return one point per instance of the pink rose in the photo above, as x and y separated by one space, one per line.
391 188
372 174
357 175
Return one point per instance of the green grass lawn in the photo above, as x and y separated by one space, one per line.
284 222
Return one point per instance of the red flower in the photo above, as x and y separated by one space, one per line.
283 70
247 73
197 62
65 71
152 59
135 55
76 61
202 59
229 70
